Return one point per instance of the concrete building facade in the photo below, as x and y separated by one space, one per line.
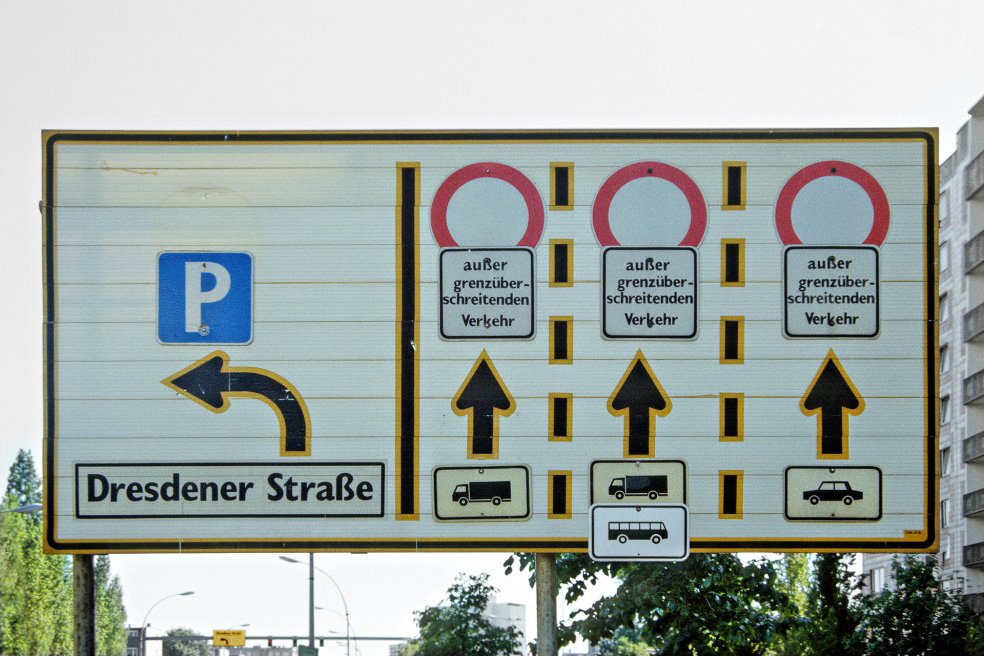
961 361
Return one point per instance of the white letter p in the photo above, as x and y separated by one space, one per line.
195 297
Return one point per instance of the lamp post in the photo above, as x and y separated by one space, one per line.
25 510
143 627
311 569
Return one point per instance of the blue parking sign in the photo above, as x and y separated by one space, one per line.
204 298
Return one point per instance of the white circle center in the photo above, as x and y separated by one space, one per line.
832 210
649 212
487 212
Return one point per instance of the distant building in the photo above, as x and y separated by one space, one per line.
592 651
506 615
961 362
133 639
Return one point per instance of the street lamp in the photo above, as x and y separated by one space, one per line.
311 569
143 627
25 510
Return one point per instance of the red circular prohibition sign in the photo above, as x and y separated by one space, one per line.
673 175
879 201
522 184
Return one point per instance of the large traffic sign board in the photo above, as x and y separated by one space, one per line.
438 341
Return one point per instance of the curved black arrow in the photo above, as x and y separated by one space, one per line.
832 397
210 382
640 398
483 397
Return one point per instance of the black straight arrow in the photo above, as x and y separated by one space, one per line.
640 398
483 397
210 382
832 397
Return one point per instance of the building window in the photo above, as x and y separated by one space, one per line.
944 358
944 409
944 307
944 513
945 461
944 256
944 206
877 580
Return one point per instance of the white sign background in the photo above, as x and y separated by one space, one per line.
317 214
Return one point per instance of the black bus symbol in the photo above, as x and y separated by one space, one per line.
625 531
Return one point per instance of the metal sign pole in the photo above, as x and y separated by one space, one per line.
546 604
84 604
311 601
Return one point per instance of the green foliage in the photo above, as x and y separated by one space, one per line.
709 604
23 483
826 598
458 628
918 617
832 607
627 641
712 604
185 648
794 578
36 606
35 589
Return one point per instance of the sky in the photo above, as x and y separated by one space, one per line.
260 65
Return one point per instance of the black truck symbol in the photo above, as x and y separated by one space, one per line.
833 491
625 531
638 486
494 491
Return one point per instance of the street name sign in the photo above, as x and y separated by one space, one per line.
441 341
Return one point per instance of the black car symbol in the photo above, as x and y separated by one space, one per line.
833 491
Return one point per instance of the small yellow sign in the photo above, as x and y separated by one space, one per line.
229 638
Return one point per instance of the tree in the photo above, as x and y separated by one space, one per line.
626 642
826 612
918 617
708 604
183 647
35 589
36 605
110 612
794 578
22 481
834 613
459 627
